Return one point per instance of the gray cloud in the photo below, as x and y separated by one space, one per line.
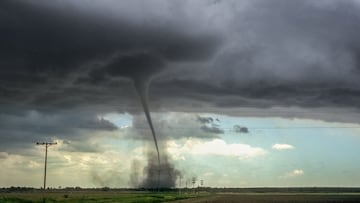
98 124
207 120
24 130
259 54
138 66
210 125
212 129
68 46
171 126
240 129
283 54
298 56
83 145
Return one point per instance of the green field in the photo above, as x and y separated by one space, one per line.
286 198
113 196
92 197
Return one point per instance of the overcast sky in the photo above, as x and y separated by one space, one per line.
268 88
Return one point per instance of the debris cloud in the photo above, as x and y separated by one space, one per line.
149 177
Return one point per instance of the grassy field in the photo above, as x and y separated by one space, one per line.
92 197
153 197
285 198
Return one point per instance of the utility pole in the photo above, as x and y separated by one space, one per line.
47 144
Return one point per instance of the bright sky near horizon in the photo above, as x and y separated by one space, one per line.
274 152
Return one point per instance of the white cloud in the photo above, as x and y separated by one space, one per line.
207 174
174 150
214 147
294 173
282 147
92 169
297 172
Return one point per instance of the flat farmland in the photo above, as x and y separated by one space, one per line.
276 198
92 197
155 197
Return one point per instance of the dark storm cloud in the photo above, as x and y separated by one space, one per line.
210 125
138 66
212 129
206 57
98 124
281 53
273 53
205 120
42 39
24 130
177 126
62 45
240 129
42 123
292 53
263 94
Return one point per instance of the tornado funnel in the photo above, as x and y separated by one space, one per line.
142 90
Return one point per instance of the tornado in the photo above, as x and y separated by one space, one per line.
142 90
141 68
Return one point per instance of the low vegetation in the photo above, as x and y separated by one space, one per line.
287 198
92 197
245 195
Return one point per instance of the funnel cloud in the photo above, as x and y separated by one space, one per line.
140 68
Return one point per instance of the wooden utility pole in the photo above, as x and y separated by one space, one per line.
47 144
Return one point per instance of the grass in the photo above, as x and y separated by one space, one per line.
91 197
288 198
157 197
